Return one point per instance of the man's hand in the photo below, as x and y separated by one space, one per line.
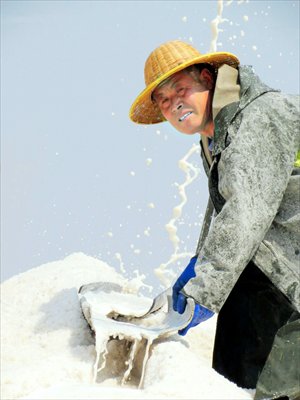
200 314
179 299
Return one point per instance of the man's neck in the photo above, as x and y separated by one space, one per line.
208 129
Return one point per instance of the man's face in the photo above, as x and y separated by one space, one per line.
186 103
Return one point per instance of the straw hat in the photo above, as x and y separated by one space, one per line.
163 62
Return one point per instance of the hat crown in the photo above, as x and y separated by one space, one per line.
166 57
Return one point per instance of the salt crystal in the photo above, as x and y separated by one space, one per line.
146 232
149 161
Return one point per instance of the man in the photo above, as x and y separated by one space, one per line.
247 268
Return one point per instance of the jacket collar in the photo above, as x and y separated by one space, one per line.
227 89
233 92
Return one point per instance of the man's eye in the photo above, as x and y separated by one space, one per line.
180 91
165 102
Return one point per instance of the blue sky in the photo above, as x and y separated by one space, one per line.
77 174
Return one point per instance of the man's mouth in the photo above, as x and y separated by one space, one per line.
184 116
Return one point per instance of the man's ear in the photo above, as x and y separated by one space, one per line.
206 78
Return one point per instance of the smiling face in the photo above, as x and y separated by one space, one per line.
185 100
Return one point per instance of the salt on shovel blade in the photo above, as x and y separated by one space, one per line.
105 300
90 289
122 318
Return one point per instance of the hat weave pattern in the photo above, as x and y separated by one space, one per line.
164 61
165 58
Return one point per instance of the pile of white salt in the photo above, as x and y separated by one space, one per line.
48 351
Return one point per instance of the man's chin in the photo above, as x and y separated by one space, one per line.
186 129
189 131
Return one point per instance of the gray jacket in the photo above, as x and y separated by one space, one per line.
256 193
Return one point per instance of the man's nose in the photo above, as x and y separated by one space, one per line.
177 104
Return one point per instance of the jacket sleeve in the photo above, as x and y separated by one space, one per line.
254 171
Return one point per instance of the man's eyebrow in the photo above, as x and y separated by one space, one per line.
171 84
174 81
156 96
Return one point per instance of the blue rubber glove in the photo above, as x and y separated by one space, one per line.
179 300
200 314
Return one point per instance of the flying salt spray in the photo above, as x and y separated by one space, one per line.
165 274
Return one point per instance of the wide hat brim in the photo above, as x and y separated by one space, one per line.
145 111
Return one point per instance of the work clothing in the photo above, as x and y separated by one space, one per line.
248 266
246 327
255 190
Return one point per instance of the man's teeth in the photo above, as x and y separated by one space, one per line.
184 116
